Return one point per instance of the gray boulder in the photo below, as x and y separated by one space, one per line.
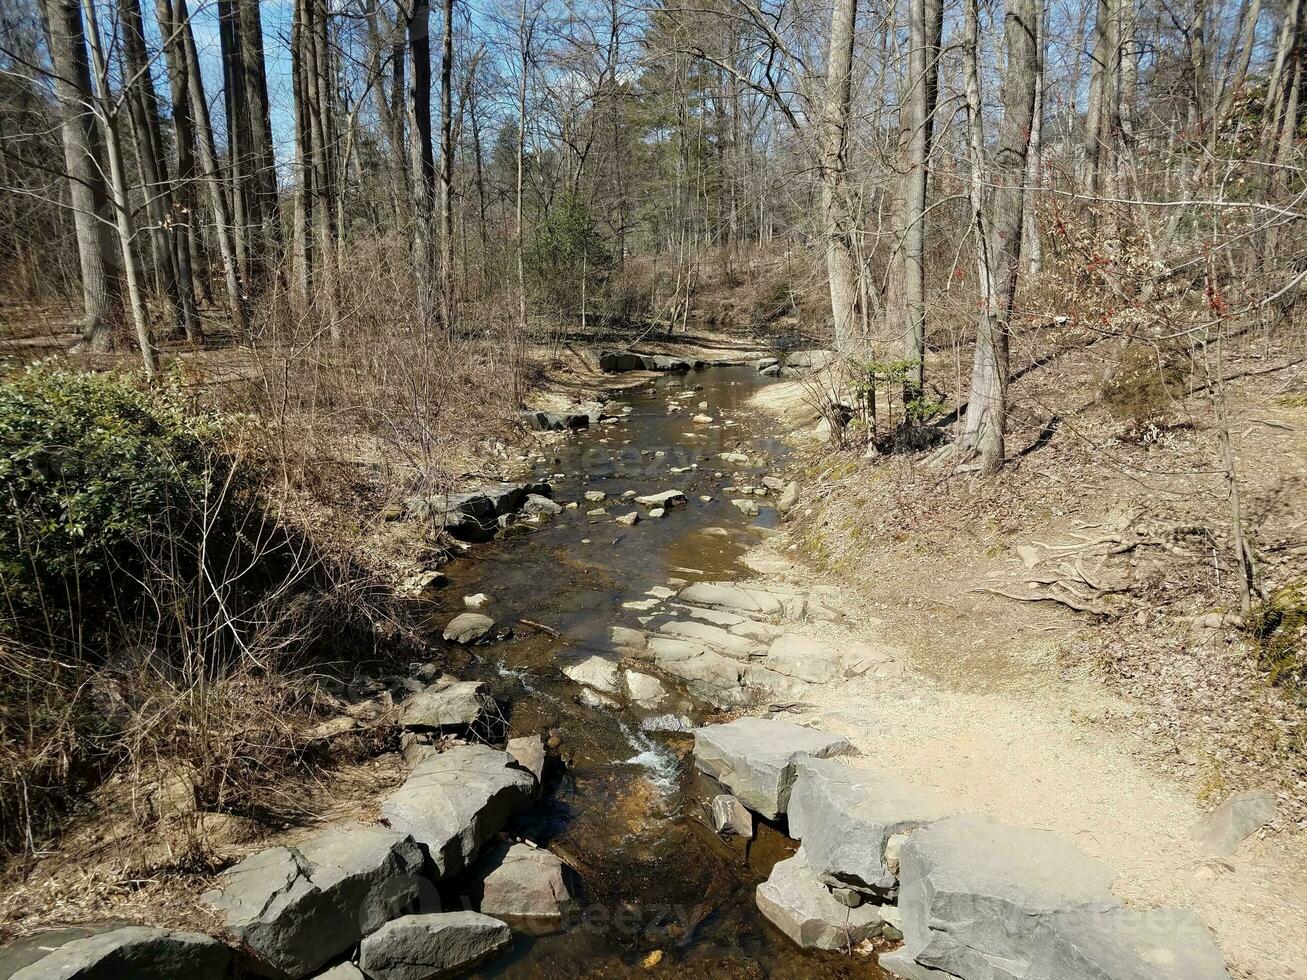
595 672
731 817
973 891
805 657
526 882
528 751
803 908
468 627
746 602
757 758
297 908
845 817
419 947
1163 944
618 361
474 515
541 506
341 971
138 952
556 421
1238 817
788 498
453 705
454 802
666 499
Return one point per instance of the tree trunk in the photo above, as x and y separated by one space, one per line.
986 419
84 160
143 103
105 111
423 163
188 87
303 193
841 265
925 30
447 171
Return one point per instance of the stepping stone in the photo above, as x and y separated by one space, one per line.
454 802
460 704
138 952
419 947
803 908
526 882
1124 944
746 602
713 637
731 817
806 658
846 816
468 627
298 908
595 672
973 891
757 758
528 751
667 499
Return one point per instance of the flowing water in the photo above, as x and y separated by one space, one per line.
624 811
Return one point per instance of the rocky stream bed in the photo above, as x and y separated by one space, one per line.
605 782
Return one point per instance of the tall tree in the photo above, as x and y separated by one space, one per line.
93 219
925 33
106 114
172 265
187 88
447 170
841 254
999 236
423 161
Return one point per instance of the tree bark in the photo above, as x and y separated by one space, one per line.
101 274
986 419
105 112
925 31
841 264
188 87
423 163
447 170
176 287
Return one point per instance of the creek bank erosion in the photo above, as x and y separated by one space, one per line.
947 894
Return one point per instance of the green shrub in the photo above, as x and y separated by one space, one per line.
97 475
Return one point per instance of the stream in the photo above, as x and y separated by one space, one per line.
657 885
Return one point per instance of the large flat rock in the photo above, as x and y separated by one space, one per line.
451 705
846 815
756 758
297 908
803 908
973 891
1162 944
138 952
805 658
1238 817
452 803
437 944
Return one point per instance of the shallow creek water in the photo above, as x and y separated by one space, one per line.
624 812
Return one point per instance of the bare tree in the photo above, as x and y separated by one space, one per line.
93 219
998 238
841 261
106 113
